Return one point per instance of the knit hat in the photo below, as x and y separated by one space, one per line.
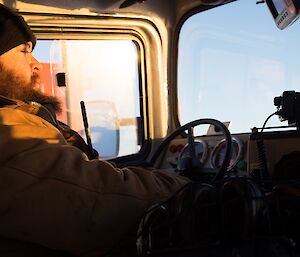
14 30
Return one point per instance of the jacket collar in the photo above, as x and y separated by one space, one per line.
5 101
31 107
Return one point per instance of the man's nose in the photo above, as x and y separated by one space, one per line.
36 66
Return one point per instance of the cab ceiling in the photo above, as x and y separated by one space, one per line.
170 11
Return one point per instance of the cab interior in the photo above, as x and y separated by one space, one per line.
185 86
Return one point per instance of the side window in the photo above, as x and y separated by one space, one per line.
104 74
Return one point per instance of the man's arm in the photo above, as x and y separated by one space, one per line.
52 195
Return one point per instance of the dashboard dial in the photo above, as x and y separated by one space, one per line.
200 147
218 153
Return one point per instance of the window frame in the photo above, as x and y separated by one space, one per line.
87 28
174 67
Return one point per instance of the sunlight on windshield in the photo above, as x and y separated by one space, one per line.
232 62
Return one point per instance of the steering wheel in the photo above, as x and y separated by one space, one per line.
222 170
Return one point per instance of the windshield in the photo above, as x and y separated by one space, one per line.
232 62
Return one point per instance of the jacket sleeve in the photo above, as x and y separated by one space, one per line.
52 195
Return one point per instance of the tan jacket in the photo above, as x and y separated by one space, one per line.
52 195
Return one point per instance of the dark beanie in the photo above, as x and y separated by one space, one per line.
14 30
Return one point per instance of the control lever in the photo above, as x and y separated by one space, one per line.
191 145
190 166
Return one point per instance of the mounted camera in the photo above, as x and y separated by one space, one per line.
288 106
284 12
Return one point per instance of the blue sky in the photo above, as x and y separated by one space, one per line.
233 61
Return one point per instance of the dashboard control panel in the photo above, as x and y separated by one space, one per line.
209 150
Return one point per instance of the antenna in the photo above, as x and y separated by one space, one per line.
86 129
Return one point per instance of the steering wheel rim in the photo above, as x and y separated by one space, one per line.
228 139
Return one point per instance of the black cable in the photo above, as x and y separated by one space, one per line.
262 159
177 192
263 127
161 205
144 235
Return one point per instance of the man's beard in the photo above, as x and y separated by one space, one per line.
11 86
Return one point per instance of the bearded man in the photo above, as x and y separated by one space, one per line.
51 195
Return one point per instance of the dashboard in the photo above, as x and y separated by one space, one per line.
209 150
245 155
